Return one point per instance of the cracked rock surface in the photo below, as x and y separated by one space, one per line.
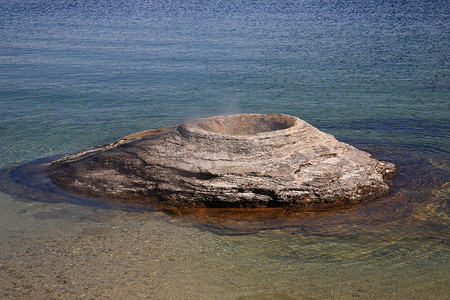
248 160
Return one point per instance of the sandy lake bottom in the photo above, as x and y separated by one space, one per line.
393 248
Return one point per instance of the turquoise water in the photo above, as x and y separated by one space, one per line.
376 74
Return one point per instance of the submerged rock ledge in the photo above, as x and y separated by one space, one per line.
249 160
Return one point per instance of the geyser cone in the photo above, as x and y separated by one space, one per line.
249 160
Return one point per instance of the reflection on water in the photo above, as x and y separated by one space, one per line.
416 208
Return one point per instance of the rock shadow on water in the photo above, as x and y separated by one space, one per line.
30 182
415 207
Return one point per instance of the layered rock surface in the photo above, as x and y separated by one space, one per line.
248 160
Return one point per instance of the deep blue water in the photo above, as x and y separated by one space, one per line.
376 74
75 74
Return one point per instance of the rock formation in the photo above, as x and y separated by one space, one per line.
248 160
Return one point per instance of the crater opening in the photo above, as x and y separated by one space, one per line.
246 124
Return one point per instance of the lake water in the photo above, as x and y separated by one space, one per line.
376 74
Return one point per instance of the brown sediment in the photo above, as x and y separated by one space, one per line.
54 251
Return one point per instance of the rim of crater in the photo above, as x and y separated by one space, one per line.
202 126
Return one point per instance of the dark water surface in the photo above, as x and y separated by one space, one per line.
376 74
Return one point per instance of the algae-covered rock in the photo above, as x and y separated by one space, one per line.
249 160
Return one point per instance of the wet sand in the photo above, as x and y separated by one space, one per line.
54 251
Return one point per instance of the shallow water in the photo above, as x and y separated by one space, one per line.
76 74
